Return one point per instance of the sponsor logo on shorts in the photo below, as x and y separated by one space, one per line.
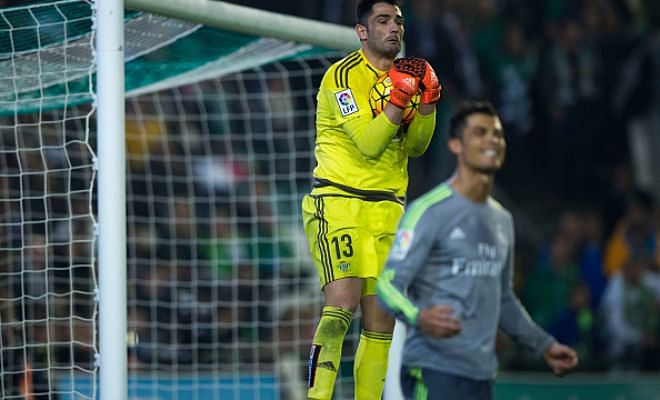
344 266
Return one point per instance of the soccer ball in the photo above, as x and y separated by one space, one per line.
379 96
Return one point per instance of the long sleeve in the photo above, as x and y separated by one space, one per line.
420 133
514 319
407 257
371 136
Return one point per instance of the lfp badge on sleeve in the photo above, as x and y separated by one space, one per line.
346 102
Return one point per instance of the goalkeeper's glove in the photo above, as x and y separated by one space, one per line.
430 86
405 81
428 80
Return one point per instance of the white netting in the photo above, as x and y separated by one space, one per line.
50 44
47 277
222 292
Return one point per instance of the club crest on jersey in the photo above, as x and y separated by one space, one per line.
344 266
346 102
402 243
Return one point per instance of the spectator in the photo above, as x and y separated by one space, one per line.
637 101
591 257
634 234
574 326
548 289
568 88
630 315
225 250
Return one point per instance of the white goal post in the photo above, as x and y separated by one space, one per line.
111 200
232 17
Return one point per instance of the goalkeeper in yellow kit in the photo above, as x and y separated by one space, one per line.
360 183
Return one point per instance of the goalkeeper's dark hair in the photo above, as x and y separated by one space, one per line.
458 120
366 7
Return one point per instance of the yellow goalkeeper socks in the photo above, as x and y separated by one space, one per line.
326 352
371 365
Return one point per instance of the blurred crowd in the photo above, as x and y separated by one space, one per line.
595 284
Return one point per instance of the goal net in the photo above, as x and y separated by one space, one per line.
220 282
222 296
47 284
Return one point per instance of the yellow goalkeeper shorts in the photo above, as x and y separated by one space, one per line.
349 237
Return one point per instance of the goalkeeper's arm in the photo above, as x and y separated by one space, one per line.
371 137
420 133
383 128
381 131
407 74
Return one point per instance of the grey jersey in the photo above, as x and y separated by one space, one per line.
450 250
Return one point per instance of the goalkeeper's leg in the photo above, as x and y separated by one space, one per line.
373 351
342 298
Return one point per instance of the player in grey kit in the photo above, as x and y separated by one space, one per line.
449 274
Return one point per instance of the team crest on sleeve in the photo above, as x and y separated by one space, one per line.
404 238
346 101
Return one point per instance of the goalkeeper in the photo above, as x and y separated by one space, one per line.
453 256
360 183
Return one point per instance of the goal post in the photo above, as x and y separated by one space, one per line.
236 18
111 152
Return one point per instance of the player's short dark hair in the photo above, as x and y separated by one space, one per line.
460 116
365 8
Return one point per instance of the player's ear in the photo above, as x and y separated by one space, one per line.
454 145
361 31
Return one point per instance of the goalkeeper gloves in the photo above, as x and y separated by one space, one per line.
422 70
430 86
405 81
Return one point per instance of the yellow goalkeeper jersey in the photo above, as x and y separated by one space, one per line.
353 149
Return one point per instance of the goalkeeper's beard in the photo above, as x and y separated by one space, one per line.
383 49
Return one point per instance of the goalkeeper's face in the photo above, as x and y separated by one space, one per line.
384 30
481 146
